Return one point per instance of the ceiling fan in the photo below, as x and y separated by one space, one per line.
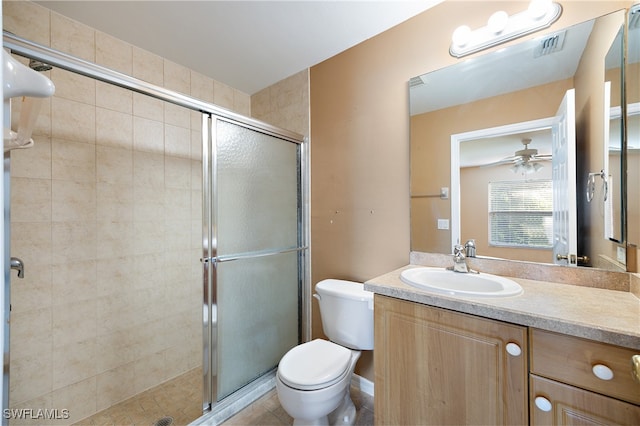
524 160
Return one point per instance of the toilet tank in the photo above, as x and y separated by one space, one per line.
346 309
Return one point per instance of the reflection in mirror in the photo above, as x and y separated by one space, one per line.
522 83
613 141
518 190
633 130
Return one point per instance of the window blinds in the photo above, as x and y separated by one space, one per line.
520 213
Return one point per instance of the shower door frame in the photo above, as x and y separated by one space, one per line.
31 50
211 259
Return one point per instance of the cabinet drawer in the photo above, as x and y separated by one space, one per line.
571 360
567 405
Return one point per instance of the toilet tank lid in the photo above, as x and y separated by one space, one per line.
343 288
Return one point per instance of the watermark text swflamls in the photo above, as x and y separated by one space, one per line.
36 413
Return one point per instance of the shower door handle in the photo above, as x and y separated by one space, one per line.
17 264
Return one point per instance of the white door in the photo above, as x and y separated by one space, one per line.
565 222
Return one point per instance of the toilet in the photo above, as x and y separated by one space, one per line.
313 379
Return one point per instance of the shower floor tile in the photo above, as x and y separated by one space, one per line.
179 398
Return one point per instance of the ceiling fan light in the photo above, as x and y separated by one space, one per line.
526 168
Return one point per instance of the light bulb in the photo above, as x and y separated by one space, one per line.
538 8
498 22
461 35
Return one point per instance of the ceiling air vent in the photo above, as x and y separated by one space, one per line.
550 44
415 81
634 17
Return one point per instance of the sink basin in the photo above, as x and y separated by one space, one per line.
444 281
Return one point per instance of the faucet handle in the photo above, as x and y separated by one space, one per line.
470 248
458 250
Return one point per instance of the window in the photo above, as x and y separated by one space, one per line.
521 214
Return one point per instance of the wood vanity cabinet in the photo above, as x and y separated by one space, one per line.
564 389
437 367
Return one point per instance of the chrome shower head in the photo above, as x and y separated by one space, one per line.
39 65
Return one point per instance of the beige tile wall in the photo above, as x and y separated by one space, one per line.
285 104
106 214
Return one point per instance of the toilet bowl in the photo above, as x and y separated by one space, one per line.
314 378
314 396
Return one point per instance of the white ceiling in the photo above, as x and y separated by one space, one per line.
248 45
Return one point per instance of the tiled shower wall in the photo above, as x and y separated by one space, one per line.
285 104
106 215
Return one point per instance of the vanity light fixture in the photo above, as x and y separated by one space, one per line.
501 28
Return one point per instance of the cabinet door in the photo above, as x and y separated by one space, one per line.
568 405
438 367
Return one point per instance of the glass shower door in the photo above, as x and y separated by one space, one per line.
255 234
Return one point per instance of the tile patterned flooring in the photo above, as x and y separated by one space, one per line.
181 399
267 411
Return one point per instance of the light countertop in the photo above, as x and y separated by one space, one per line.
609 316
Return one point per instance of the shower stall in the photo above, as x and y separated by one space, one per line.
162 237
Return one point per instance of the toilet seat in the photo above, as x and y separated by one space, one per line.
314 365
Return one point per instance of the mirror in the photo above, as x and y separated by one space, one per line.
633 128
613 141
493 115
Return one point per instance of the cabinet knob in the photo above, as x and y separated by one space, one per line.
513 349
635 368
543 403
602 372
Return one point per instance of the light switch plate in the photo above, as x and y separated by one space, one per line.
443 223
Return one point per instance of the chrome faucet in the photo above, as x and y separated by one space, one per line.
459 260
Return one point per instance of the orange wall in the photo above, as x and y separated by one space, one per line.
360 138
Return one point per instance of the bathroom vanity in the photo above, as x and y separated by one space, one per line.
534 358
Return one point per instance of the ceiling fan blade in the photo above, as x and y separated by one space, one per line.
507 160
